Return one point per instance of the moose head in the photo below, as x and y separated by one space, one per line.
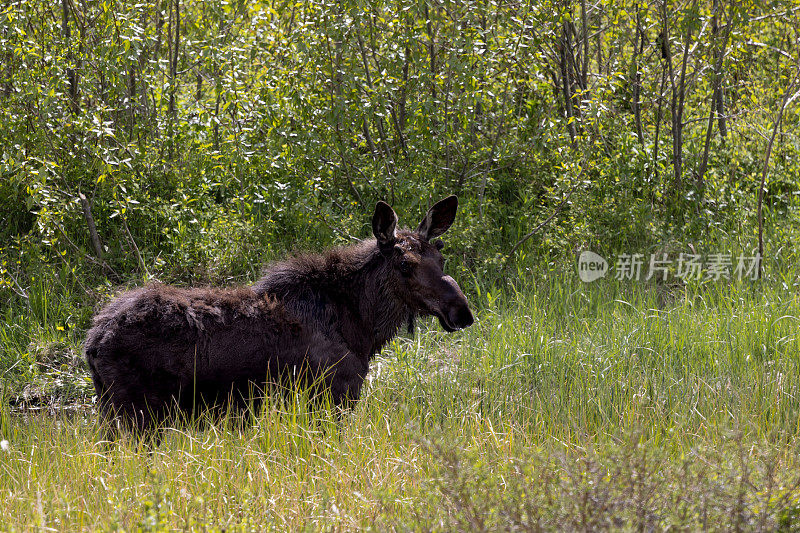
416 264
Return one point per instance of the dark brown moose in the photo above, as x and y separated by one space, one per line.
315 317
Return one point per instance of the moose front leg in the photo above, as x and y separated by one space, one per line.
345 381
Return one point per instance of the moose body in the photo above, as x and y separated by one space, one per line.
317 318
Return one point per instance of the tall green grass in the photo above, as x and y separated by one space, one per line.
566 406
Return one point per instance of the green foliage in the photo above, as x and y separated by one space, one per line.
188 126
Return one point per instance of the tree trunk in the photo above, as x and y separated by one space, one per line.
677 102
159 30
637 76
431 50
719 56
700 183
72 78
401 106
173 74
378 121
8 70
566 85
585 51
658 121
93 236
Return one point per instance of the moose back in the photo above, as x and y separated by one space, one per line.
319 318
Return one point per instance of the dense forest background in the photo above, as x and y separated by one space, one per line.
190 142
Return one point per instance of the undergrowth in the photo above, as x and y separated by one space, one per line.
565 407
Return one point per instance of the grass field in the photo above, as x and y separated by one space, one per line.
566 406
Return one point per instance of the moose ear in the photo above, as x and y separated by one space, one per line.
384 222
438 219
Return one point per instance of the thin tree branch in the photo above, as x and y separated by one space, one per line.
786 100
105 266
555 212
139 259
22 293
544 223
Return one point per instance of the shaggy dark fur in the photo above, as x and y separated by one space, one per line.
313 317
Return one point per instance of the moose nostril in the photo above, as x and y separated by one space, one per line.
463 317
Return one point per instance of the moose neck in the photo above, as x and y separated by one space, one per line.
343 292
380 310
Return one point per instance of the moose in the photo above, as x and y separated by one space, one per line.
312 319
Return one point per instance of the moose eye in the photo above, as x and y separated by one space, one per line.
405 268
